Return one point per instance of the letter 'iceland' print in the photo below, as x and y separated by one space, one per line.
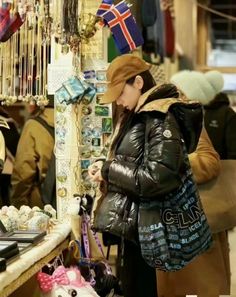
174 230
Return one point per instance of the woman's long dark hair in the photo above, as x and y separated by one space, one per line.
148 83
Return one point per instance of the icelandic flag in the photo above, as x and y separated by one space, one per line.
104 7
124 28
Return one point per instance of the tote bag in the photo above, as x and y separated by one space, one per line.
174 230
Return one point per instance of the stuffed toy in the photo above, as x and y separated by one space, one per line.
79 204
65 282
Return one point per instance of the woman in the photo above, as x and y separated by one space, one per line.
132 86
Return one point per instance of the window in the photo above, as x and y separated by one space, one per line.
222 34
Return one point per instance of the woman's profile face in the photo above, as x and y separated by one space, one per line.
130 95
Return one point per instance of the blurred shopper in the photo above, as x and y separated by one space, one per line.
11 137
209 274
220 120
32 159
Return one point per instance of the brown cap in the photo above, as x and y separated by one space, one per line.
119 71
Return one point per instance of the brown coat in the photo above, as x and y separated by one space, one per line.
205 161
209 274
31 162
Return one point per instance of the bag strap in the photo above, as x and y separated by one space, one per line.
49 128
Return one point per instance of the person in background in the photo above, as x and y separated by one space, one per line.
11 137
132 86
220 120
208 274
32 159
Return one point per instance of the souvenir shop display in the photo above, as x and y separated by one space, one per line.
27 219
93 126
21 230
24 54
83 127
22 236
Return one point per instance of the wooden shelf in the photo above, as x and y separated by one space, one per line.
221 69
26 275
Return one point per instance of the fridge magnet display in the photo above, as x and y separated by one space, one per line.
101 110
61 120
86 140
97 132
60 107
87 132
86 110
85 164
61 132
60 145
74 87
62 192
101 75
101 87
96 152
98 98
85 175
106 125
86 121
85 152
61 96
96 141
89 95
62 177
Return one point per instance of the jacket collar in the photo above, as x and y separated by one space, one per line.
161 105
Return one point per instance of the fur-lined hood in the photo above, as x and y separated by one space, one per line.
165 98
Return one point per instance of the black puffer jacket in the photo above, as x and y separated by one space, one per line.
155 171
220 122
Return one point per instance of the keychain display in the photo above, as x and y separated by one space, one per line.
95 270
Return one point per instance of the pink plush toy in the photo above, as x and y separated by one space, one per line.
65 283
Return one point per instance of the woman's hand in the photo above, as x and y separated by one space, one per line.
94 171
97 177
